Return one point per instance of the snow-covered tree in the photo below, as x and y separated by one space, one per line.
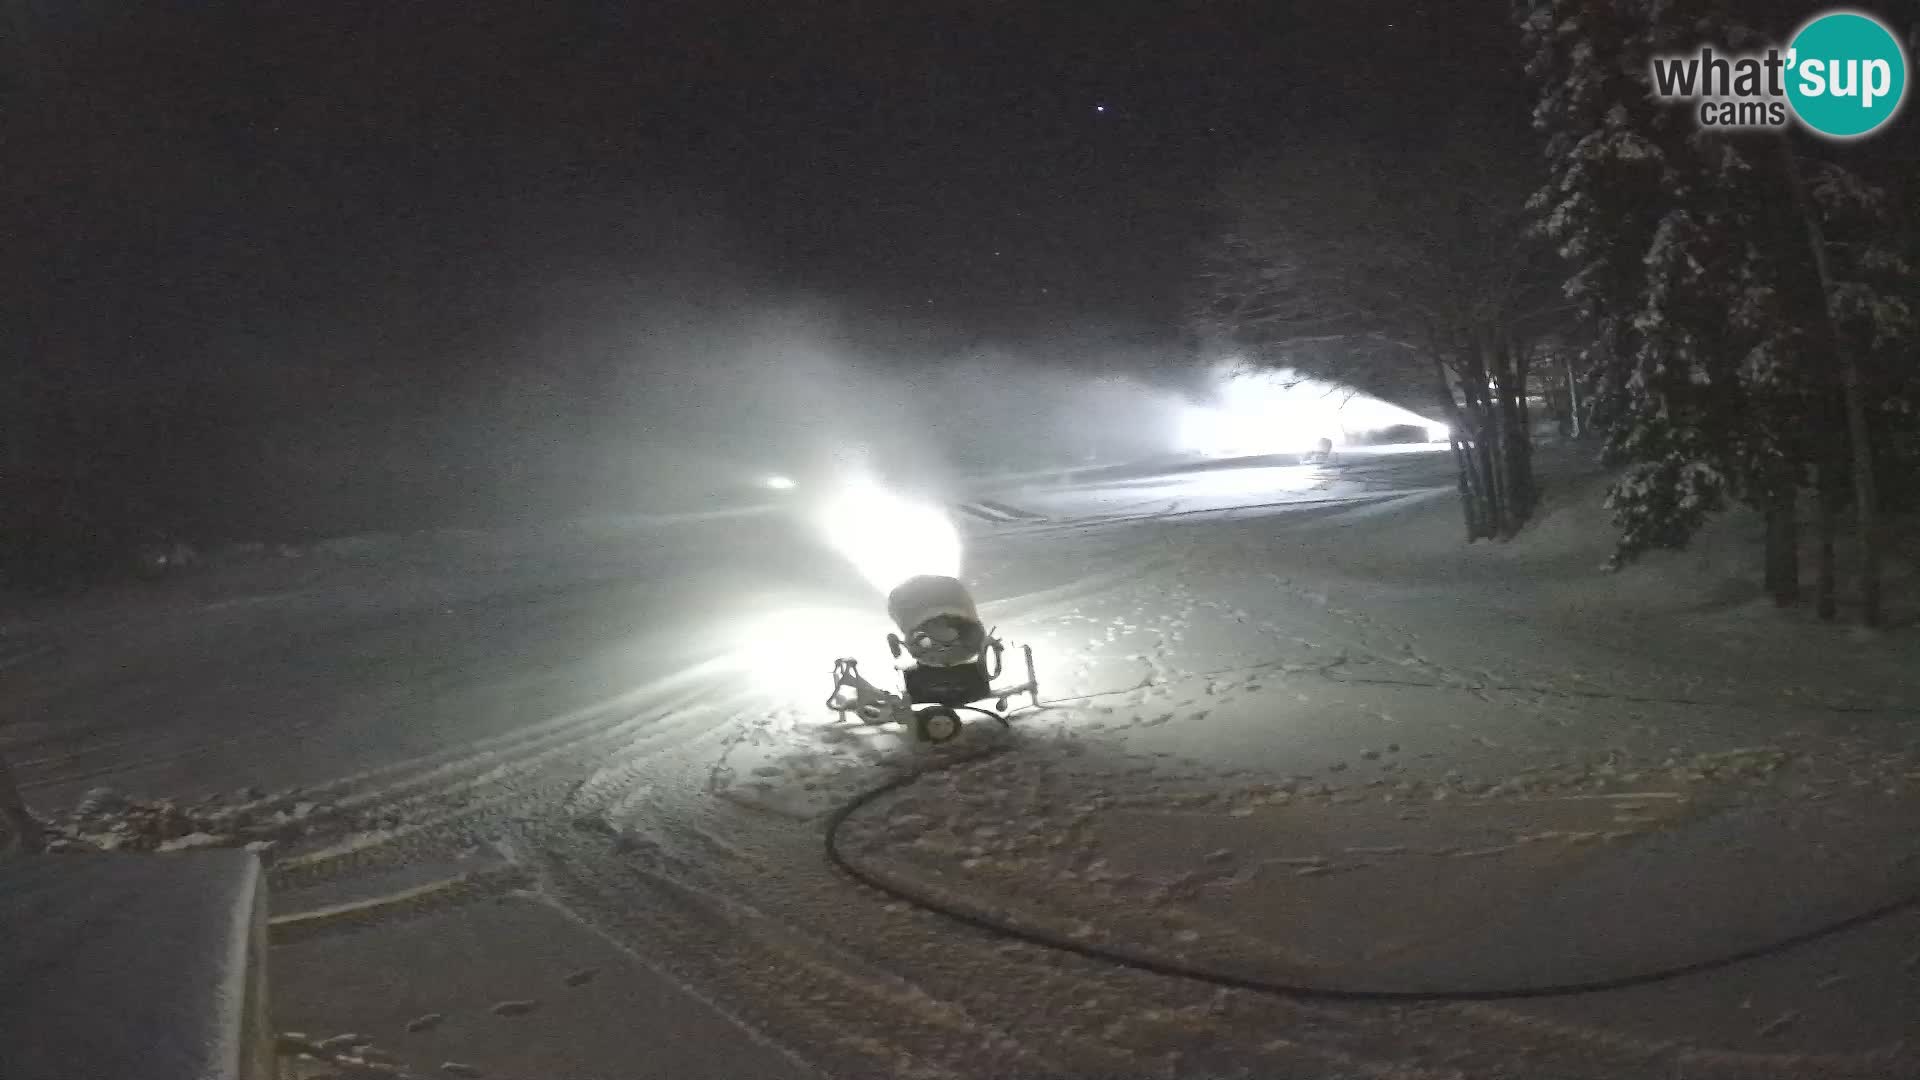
1863 254
1714 362
1404 271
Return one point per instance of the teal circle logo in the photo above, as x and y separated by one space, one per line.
1847 74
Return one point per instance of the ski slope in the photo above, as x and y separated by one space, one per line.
1294 733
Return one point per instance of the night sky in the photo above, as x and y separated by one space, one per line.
243 219
994 165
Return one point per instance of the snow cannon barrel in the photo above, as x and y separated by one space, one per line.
938 621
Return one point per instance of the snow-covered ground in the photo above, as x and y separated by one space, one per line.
1294 732
1197 487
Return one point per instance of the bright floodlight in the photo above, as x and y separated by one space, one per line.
766 643
1279 412
890 539
780 483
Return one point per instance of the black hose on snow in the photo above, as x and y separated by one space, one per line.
1174 969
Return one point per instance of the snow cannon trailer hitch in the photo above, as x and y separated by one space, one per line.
952 663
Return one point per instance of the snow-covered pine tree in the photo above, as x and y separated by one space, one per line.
1866 266
1683 264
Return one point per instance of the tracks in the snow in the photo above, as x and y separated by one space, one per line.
446 806
605 813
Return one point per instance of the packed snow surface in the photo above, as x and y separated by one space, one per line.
1293 731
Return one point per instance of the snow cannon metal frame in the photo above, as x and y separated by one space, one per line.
952 661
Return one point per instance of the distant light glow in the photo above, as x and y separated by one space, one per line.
1279 412
780 483
889 538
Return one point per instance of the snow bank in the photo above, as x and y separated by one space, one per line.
106 820
1560 557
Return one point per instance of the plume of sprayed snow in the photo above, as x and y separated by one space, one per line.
801 391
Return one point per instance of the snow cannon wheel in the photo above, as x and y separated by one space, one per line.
936 725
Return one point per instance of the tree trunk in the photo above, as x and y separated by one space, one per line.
1477 475
18 829
1470 502
1494 465
1573 398
1461 440
1865 500
1484 460
1865 497
1783 545
1828 502
1520 448
1500 439
1511 443
1483 414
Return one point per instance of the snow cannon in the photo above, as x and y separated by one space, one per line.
940 625
950 663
